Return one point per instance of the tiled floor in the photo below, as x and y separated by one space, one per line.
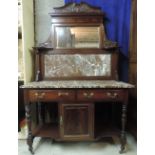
47 147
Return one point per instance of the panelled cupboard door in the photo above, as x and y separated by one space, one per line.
76 121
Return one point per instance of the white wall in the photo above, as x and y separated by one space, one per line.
42 29
27 37
42 18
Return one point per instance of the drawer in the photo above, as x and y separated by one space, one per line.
97 95
51 95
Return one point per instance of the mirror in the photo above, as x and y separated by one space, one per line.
77 37
77 65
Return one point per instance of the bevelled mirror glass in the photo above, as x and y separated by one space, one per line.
77 37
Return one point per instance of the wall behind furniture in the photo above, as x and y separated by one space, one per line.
35 17
27 25
42 18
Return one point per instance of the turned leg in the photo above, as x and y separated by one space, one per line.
28 117
123 133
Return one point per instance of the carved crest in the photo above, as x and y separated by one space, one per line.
77 8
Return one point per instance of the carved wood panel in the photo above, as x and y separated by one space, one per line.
76 120
77 8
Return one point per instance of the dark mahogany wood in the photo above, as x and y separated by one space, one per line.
76 121
47 130
28 117
72 102
40 113
100 95
75 8
75 107
123 132
76 15
51 95
132 108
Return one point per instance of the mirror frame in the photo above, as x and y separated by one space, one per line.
99 26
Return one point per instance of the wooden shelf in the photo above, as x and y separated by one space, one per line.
52 131
106 130
47 130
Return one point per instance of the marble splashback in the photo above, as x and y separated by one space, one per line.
77 65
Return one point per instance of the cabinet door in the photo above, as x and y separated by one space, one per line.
76 121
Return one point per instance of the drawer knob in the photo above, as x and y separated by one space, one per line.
88 95
40 95
112 95
63 94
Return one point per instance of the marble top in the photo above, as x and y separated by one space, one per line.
78 84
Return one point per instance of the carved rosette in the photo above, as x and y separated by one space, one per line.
110 44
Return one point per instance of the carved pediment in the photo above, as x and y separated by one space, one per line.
77 8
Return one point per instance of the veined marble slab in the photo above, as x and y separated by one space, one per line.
78 84
77 65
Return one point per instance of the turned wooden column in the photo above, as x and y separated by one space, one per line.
123 119
28 118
